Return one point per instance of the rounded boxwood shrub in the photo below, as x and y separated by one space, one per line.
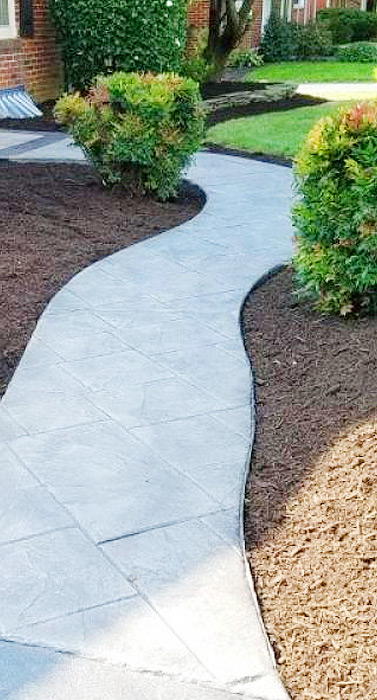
103 36
336 214
137 129
358 52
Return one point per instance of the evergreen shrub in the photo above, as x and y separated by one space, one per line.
103 36
138 130
336 215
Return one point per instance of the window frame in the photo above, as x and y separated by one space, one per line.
9 31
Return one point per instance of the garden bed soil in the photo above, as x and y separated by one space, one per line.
56 220
311 504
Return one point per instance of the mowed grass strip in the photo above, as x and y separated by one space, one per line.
275 133
314 72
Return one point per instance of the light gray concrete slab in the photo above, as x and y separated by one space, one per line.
116 372
214 370
112 484
9 428
156 402
169 334
32 673
61 150
9 139
37 353
213 442
43 413
196 580
125 632
143 353
52 575
26 508
219 311
41 381
85 346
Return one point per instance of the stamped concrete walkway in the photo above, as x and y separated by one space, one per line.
124 440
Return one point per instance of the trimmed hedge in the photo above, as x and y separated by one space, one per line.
349 25
358 52
101 36
138 130
336 217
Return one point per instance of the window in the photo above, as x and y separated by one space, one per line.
7 19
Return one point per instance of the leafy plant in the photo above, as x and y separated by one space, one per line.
336 215
245 58
348 25
286 41
278 41
358 52
313 40
101 36
138 130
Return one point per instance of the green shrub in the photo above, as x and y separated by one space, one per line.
245 58
336 215
358 52
278 41
101 36
197 68
313 40
286 41
139 130
348 25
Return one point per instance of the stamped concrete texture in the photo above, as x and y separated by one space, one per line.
125 439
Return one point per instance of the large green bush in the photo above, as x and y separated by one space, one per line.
336 215
101 36
286 41
313 40
278 41
139 130
358 52
348 25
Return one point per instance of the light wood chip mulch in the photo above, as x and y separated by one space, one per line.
311 506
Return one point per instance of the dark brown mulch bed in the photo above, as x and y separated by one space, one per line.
311 505
56 220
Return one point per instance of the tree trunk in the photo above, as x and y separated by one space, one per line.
227 26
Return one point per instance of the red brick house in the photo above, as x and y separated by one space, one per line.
28 51
29 55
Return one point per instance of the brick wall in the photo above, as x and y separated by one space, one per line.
32 62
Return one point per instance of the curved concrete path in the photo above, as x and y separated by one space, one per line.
125 441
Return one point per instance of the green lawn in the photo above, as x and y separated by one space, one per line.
275 133
314 72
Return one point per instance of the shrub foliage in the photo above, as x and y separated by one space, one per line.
336 215
358 52
245 58
349 25
286 41
102 36
138 130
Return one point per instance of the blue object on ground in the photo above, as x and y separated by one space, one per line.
15 103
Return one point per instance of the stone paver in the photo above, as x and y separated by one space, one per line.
121 535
